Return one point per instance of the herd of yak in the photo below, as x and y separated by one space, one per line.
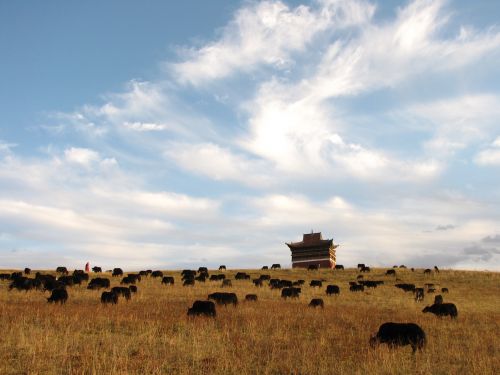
393 334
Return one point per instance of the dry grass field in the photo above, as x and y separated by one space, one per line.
151 334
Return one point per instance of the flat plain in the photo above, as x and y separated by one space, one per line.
152 334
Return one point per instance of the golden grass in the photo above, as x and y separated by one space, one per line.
151 334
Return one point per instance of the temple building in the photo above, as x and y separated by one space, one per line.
313 250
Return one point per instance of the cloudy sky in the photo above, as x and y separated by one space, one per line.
174 135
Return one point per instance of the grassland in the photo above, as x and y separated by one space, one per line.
151 334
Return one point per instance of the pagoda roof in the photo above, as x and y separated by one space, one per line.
311 240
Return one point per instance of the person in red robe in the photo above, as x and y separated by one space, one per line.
87 267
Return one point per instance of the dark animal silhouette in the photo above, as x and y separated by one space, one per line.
167 280
442 309
339 267
427 271
202 270
62 270
242 276
117 272
251 297
357 288
122 291
58 295
361 265
315 302
444 290
419 294
265 267
316 283
276 266
109 297
290 292
96 269
438 299
156 274
365 269
188 282
206 308
436 269
98 283
224 298
27 271
257 282
332 289
390 272
406 287
133 289
399 334
222 267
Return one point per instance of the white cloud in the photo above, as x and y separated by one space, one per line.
144 126
219 163
82 156
489 156
268 33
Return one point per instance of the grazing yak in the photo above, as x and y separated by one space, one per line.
156 274
276 266
315 302
224 298
202 308
444 290
436 269
167 280
58 295
109 297
442 309
339 267
265 267
427 271
368 283
117 272
265 277
133 288
290 292
365 269
222 267
357 288
188 282
98 283
438 299
406 287
242 276
361 265
332 289
128 280
419 294
122 291
202 270
399 334
62 270
251 297
22 283
316 283
96 269
27 271
390 272
257 282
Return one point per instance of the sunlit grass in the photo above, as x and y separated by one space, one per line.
151 334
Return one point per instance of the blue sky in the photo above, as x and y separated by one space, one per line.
174 135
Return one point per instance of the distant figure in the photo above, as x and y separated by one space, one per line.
87 267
